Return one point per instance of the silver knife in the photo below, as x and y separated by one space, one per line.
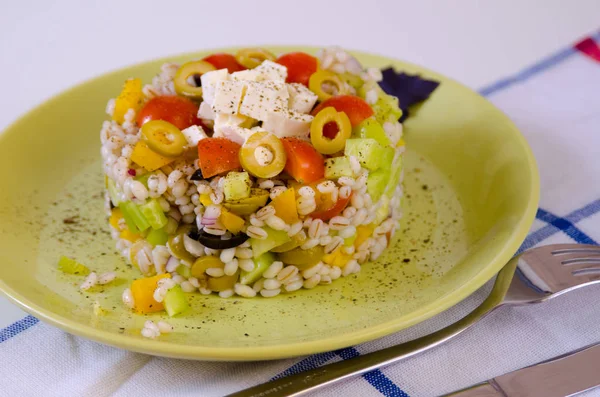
562 376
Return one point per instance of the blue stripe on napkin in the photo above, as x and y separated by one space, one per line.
17 328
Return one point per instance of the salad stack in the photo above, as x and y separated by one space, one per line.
251 174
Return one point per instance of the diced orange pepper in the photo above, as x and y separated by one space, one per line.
232 222
143 294
337 258
363 232
144 156
131 97
285 206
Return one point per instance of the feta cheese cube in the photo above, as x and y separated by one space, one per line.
246 75
302 99
205 111
270 70
264 98
228 96
209 82
288 124
234 133
223 120
193 135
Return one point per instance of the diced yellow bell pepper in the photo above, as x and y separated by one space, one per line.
130 97
232 222
128 235
401 143
363 232
115 216
143 294
285 206
205 200
337 258
143 156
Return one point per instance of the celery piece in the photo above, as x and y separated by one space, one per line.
71 266
386 108
383 211
237 186
348 241
394 178
370 128
336 167
274 239
352 79
377 183
261 264
154 214
368 151
136 222
112 191
175 301
157 237
128 217
387 156
144 178
184 271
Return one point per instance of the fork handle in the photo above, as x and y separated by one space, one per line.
308 381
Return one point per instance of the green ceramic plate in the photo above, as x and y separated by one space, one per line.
471 194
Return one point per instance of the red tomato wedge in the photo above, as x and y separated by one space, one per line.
299 65
224 61
355 107
179 111
304 163
217 155
329 213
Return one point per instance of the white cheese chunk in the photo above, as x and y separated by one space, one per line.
228 96
270 70
205 111
194 134
234 133
264 98
302 99
288 124
246 75
209 82
223 120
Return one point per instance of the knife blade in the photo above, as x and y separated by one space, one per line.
561 376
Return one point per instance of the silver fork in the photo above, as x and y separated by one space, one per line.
535 276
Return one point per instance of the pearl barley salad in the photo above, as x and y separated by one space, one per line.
251 175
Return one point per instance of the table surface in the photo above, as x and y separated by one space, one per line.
47 47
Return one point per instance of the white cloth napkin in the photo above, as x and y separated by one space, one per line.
556 104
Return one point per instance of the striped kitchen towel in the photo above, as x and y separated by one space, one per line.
556 104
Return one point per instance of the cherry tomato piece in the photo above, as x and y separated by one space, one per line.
179 111
304 163
299 65
355 107
218 155
224 61
336 209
